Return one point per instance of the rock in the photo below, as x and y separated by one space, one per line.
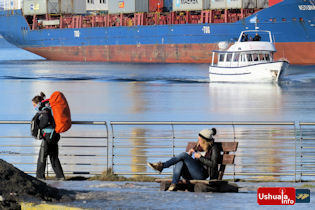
15 185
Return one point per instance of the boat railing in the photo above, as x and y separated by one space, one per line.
267 150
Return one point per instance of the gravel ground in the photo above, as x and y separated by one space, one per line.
140 195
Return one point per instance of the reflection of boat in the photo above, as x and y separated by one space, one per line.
247 60
246 101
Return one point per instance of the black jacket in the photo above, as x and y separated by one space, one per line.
45 119
211 160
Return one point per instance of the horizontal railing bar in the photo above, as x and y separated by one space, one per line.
306 123
87 164
199 123
117 138
36 146
236 173
73 122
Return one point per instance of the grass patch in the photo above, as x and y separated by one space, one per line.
308 186
109 176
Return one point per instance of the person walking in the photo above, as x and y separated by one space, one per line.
50 138
199 162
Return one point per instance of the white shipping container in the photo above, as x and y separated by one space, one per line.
127 6
262 3
42 7
38 7
72 6
190 5
218 4
97 5
11 4
233 4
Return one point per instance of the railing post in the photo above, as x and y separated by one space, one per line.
234 141
295 152
107 146
173 139
113 139
301 166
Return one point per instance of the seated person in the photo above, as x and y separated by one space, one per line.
257 37
244 37
198 163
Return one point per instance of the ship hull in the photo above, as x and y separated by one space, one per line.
180 53
291 23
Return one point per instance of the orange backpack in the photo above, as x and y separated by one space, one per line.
61 112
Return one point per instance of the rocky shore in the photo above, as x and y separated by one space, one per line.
16 186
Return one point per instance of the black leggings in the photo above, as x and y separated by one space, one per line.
49 147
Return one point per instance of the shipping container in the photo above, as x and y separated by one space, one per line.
41 7
11 4
97 5
168 6
156 5
273 2
233 4
190 5
72 6
262 3
127 6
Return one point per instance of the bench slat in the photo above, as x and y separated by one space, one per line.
229 146
228 159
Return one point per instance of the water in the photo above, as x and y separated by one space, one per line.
100 91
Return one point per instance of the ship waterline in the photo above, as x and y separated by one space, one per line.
168 53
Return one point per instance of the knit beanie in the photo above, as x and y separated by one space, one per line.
208 134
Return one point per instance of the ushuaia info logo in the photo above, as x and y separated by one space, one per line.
276 196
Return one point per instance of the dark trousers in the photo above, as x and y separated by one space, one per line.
49 147
187 167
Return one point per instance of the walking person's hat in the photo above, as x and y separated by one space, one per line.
208 134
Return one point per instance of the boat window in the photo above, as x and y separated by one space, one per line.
255 57
267 57
236 57
229 57
249 57
221 57
261 57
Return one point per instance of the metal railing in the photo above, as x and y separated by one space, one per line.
267 150
82 150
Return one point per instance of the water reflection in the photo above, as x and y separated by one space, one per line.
138 152
249 101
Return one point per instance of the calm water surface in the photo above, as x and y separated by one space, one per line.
172 92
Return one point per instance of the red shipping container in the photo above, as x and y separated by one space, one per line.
156 5
273 2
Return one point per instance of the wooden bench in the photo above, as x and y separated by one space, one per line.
217 185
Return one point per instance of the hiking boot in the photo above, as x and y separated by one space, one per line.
156 166
172 187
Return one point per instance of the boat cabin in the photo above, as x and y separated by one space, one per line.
246 51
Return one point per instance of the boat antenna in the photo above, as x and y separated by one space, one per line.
256 23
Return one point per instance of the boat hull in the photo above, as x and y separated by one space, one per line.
263 72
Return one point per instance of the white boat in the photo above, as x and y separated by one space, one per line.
247 60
